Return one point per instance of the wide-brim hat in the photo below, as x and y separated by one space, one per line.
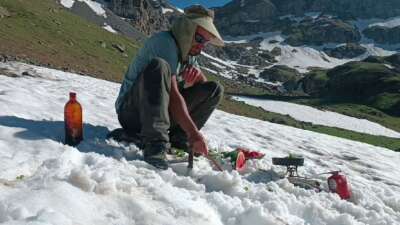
205 18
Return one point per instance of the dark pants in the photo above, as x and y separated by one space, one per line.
145 108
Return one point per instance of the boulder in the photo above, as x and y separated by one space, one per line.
392 60
280 73
4 12
383 35
245 17
314 82
362 80
347 51
322 30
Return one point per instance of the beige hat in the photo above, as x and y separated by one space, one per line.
204 17
185 27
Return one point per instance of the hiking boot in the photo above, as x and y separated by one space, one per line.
121 135
155 154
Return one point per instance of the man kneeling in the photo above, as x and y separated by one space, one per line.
165 98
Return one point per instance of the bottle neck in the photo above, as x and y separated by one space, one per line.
72 97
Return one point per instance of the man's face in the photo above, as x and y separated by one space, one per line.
200 40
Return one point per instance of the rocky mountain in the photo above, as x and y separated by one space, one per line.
349 50
108 18
148 16
320 30
342 8
243 17
271 41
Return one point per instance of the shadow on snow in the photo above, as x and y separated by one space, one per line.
94 136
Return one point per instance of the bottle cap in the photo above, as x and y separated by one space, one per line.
72 94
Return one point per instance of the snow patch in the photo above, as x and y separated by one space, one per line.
67 3
109 28
315 116
166 10
390 23
95 6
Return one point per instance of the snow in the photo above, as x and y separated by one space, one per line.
67 3
301 57
66 185
166 10
218 65
95 6
225 63
252 21
316 116
390 23
313 15
109 28
373 49
209 70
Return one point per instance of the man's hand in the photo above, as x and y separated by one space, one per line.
198 143
192 75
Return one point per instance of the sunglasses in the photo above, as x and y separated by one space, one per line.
200 39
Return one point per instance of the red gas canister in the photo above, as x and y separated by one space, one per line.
338 184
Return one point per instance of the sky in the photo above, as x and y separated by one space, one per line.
43 181
210 3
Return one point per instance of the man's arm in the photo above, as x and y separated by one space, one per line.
180 113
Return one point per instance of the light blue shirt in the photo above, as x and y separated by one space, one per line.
160 45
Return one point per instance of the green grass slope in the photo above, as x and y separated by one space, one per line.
43 32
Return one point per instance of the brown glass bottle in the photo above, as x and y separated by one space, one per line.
73 121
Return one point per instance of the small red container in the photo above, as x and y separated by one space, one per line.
338 184
73 121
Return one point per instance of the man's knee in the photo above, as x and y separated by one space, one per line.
216 90
156 70
156 76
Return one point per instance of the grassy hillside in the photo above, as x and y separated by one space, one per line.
355 110
43 32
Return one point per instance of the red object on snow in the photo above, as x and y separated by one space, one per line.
248 154
240 163
338 184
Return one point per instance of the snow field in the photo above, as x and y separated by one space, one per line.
66 185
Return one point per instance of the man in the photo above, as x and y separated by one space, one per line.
154 105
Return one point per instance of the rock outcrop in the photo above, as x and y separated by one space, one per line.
4 12
321 30
383 35
349 50
245 17
279 73
145 15
241 17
